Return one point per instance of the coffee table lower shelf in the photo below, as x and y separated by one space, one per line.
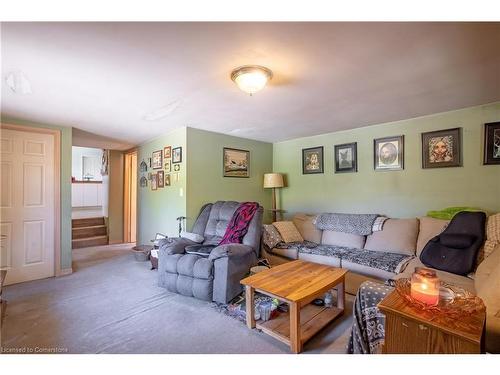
312 320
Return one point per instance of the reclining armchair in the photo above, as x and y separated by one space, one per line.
216 277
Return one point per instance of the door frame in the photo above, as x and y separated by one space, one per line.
58 271
126 195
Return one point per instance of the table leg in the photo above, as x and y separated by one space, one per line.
341 295
295 339
250 306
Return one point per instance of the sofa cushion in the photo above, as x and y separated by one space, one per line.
289 252
398 236
331 237
487 272
306 228
288 231
429 228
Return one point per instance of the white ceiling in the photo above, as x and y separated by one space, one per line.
105 78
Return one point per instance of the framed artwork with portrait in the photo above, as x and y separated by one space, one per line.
167 180
154 182
168 166
167 152
177 155
442 148
157 159
312 160
388 153
492 143
346 158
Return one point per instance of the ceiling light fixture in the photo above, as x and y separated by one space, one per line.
251 78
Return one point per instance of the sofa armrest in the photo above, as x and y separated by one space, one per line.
171 246
230 250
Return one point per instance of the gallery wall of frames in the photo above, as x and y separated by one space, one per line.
440 149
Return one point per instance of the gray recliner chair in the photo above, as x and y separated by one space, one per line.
216 277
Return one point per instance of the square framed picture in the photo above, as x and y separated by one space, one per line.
154 182
312 160
177 155
442 148
236 163
177 168
161 179
346 158
157 159
167 180
388 153
168 166
492 143
167 152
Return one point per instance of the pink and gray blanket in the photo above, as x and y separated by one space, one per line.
238 226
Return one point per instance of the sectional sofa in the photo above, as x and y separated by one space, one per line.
405 237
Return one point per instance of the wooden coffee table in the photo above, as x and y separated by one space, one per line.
298 283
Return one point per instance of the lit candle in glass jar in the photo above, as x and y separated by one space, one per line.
425 286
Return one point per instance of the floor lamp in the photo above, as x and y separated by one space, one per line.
273 181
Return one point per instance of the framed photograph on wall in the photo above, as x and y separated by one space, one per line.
167 152
442 149
157 159
492 143
167 180
346 158
168 166
177 155
388 153
312 160
154 182
161 179
236 163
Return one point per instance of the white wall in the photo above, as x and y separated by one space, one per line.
77 154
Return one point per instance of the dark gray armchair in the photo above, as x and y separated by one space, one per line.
216 277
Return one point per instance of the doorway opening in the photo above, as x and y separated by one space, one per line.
130 197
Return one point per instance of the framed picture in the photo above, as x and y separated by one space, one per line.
149 162
157 159
177 168
161 179
388 153
143 167
346 158
167 152
312 160
154 182
168 166
492 143
177 155
441 149
236 162
143 181
167 180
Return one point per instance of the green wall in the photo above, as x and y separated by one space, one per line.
66 143
411 192
115 198
205 175
157 210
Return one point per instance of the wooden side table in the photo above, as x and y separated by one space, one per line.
409 330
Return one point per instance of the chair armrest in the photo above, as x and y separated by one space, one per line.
230 251
169 246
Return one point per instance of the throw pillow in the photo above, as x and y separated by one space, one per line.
397 236
306 228
270 236
288 231
492 234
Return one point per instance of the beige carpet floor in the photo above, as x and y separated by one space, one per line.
112 304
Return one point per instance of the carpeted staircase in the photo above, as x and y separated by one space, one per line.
89 232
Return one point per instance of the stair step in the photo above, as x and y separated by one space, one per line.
87 222
90 241
91 231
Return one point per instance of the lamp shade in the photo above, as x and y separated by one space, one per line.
273 180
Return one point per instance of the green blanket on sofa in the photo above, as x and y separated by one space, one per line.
448 213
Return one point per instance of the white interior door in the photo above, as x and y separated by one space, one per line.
27 205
